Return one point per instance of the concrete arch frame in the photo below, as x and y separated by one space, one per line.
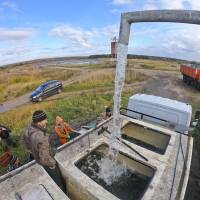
176 16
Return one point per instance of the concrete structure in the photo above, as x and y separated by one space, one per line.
167 180
29 182
171 169
178 16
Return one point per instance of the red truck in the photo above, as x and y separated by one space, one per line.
191 74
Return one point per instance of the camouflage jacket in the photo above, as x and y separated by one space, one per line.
37 141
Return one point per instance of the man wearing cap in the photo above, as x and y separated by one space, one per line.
37 141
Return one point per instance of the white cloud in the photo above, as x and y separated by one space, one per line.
110 31
16 34
150 5
116 11
14 51
75 35
17 52
186 39
195 4
178 41
10 5
78 37
121 2
175 4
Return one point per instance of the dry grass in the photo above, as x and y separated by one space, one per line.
154 64
104 79
15 82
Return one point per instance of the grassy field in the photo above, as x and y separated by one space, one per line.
104 79
154 64
18 81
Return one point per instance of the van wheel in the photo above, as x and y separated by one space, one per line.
40 99
59 91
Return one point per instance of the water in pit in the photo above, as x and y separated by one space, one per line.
145 137
123 177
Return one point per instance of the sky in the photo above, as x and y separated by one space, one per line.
31 29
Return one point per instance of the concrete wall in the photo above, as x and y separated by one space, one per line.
31 182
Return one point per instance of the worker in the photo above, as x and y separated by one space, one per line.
37 141
6 139
4 132
7 159
108 113
105 115
63 130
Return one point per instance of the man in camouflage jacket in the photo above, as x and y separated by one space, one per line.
39 144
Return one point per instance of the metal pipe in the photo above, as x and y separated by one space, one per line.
177 16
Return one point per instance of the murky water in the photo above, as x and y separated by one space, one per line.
114 176
147 138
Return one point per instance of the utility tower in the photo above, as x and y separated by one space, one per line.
114 47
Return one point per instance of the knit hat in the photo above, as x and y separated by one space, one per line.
39 116
108 109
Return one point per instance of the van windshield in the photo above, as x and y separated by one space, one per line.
39 89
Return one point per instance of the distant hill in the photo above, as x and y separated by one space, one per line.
41 60
130 56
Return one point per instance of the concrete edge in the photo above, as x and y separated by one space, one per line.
16 171
187 172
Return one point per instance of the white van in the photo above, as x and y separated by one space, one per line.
160 110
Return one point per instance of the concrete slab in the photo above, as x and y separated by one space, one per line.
31 182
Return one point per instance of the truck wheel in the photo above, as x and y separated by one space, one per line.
196 84
188 81
198 87
184 79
